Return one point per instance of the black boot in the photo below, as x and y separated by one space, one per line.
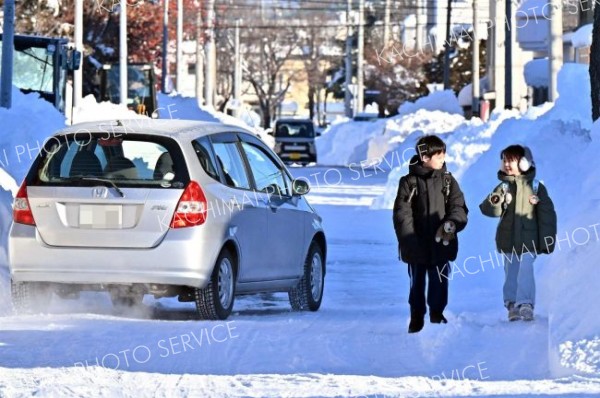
437 317
416 323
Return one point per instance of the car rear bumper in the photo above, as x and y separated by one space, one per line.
185 257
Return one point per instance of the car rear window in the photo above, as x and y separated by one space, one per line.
291 129
128 160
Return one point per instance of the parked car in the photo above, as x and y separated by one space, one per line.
295 141
195 210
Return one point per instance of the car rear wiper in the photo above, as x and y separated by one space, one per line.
104 180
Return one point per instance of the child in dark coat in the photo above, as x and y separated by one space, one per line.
428 212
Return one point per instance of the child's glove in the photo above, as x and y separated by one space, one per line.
446 233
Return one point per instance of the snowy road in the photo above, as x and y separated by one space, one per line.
356 345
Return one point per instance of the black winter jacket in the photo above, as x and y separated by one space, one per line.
417 222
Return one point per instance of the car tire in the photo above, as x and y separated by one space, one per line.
30 297
215 301
308 293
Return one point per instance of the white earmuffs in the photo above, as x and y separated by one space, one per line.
526 162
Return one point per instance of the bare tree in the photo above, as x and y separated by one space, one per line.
315 43
395 73
265 56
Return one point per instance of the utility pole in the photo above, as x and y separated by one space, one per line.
179 56
586 12
447 47
418 25
78 73
348 66
7 54
386 23
476 92
209 81
123 92
237 78
508 40
361 49
495 66
199 59
556 49
165 47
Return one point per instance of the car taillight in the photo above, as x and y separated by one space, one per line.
191 209
21 211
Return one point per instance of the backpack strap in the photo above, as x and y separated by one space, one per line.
412 187
535 184
447 183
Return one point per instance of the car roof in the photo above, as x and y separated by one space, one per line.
174 128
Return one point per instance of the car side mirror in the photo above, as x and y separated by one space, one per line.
318 134
300 187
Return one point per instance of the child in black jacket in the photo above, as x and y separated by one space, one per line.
428 212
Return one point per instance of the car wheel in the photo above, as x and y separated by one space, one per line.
30 297
215 301
308 293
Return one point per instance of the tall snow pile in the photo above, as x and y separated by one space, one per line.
366 143
180 107
29 121
444 101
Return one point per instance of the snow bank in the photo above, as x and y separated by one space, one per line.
352 143
444 101
564 145
537 72
582 37
25 126
91 111
180 107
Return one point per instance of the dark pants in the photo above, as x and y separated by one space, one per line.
437 289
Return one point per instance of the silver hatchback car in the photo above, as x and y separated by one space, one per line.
195 210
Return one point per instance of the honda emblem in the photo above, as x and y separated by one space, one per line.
100 192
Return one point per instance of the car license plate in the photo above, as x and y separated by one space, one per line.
295 156
100 216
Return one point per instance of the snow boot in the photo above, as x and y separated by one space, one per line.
513 312
526 312
437 317
416 323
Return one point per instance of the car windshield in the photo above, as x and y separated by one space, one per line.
126 160
33 69
291 129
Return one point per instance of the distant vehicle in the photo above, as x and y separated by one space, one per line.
195 210
42 65
141 87
295 140
365 117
